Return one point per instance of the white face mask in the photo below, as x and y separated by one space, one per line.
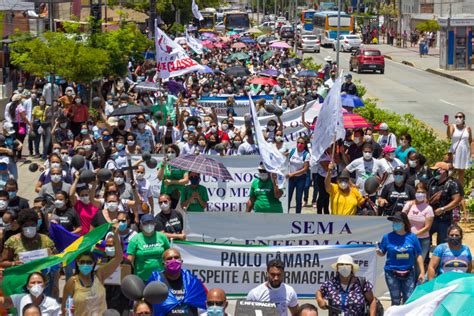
84 199
3 205
368 138
356 140
141 125
119 180
59 204
271 128
110 251
343 185
237 143
148 228
225 127
171 155
278 138
345 271
458 121
367 155
55 178
87 147
264 176
412 163
36 290
29 232
165 206
391 156
112 206
56 165
63 125
420 196
139 176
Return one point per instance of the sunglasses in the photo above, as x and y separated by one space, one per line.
163 202
89 262
459 116
122 221
214 303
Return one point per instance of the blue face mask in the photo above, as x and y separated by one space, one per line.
122 226
194 180
191 128
120 146
40 222
11 195
215 311
3 167
85 269
398 178
397 226
84 131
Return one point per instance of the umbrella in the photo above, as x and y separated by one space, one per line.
270 72
209 35
237 71
146 86
219 45
458 302
174 87
206 70
128 110
247 40
353 120
307 73
268 39
203 165
231 33
290 62
239 56
254 30
280 45
225 39
207 44
351 101
267 54
264 81
238 45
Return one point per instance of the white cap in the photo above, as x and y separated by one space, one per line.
346 259
383 127
328 58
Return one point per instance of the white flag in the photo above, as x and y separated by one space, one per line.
171 58
272 159
196 13
330 123
424 306
194 43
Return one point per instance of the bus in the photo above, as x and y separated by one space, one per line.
325 26
307 20
236 21
209 22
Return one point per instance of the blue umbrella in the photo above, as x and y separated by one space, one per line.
206 70
351 101
247 40
270 73
307 73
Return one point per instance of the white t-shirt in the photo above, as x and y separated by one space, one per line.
284 296
365 169
389 166
297 159
389 139
247 149
49 306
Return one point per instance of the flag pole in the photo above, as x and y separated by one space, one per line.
333 147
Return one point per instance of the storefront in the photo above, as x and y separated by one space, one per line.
456 43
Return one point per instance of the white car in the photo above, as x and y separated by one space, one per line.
220 27
310 43
267 25
348 42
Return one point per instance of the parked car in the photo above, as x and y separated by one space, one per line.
347 42
287 31
220 27
267 25
367 59
310 43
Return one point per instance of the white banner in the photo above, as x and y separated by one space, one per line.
238 269
194 43
224 196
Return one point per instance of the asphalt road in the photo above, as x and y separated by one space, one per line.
405 89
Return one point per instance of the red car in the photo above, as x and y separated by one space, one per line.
367 59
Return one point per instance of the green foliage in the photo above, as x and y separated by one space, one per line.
388 10
310 65
177 28
428 26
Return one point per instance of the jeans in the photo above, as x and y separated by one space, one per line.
425 249
33 143
297 183
323 196
314 183
400 288
440 227
307 185
46 141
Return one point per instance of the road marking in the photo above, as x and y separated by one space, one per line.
444 101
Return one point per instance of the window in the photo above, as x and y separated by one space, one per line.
371 53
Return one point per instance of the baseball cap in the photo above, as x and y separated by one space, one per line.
344 175
388 149
147 218
440 165
348 76
397 217
383 127
399 170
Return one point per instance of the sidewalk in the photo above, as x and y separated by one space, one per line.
410 56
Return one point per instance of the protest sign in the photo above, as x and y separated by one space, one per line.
241 106
238 269
224 196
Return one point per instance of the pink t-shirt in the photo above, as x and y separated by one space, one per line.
86 212
417 214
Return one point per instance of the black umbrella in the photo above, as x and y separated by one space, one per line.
237 71
290 62
128 110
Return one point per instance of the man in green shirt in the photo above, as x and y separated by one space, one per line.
194 197
145 249
264 193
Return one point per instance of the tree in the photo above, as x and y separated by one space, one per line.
428 26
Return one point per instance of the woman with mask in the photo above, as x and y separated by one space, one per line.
132 147
234 146
169 221
451 256
195 196
174 179
272 128
189 147
345 291
78 113
125 230
84 202
145 250
82 135
35 286
417 170
394 195
461 139
109 212
299 158
421 216
201 145
280 144
211 143
405 148
86 287
61 133
29 239
64 214
403 252
10 226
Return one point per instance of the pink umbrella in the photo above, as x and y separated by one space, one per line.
219 45
207 44
280 45
225 39
238 45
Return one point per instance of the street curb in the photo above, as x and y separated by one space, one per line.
442 74
408 63
388 57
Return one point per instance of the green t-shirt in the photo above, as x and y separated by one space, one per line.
148 252
167 108
265 201
172 173
194 206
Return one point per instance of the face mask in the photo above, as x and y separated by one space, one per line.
300 147
78 101
171 155
173 266
122 226
191 128
368 138
458 121
264 176
194 180
55 178
391 156
237 143
69 93
42 102
29 232
345 271
121 127
11 194
36 290
455 241
64 157
110 102
420 196
215 311
271 128
120 146
110 251
7 227
149 228
367 156
141 125
343 185
130 142
3 205
55 165
56 151
356 140
185 137
111 206
225 127
119 180
165 206
84 199
59 204
404 143
412 163
398 179
63 125
84 131
85 269
278 138
396 226
87 147
106 138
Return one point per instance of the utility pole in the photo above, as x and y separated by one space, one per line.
339 5
151 23
399 28
258 12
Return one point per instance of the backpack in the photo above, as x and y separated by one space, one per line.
293 150
379 311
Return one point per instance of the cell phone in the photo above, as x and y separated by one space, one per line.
446 119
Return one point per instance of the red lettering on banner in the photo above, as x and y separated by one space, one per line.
170 66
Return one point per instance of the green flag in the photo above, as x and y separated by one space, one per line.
15 278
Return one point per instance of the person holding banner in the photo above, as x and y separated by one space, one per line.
265 194
299 158
345 197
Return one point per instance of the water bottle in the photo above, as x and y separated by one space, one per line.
69 306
